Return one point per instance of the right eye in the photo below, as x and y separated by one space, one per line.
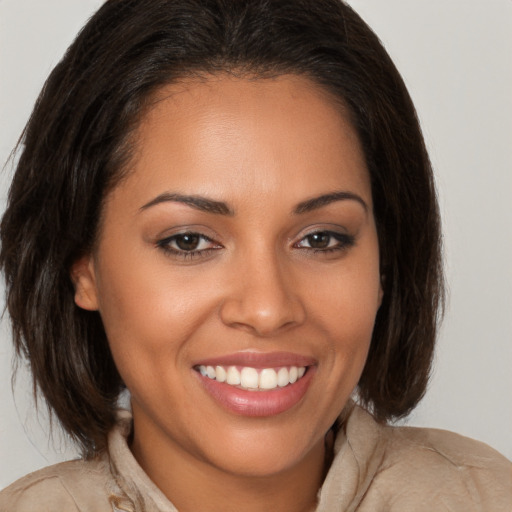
188 245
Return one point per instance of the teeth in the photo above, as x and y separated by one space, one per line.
268 379
220 374
210 371
253 379
249 378
233 376
283 377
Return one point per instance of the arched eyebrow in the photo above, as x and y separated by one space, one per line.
325 199
198 202
207 205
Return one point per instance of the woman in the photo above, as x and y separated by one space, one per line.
227 208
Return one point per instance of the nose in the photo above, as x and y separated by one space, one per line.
263 298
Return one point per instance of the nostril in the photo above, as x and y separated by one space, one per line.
262 315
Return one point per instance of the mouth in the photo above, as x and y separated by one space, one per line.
254 384
253 379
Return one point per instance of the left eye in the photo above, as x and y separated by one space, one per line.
325 241
188 241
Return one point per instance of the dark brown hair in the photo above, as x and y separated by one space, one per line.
77 142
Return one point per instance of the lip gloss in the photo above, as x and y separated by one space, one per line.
258 403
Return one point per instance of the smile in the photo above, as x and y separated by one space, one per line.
257 384
254 379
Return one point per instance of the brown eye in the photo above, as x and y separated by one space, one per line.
319 240
188 245
324 242
187 241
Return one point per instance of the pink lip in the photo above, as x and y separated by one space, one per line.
259 360
258 403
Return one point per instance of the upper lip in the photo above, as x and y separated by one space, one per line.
258 360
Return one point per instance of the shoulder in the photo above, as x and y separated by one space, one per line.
449 471
398 469
74 486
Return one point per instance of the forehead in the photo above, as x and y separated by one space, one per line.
224 135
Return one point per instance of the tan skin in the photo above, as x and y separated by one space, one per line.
269 273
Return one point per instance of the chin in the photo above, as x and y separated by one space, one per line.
264 452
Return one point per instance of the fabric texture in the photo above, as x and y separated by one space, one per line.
376 468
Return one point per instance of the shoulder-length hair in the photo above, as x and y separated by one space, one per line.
77 142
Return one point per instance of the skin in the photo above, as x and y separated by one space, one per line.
262 147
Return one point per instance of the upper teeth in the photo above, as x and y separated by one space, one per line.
252 378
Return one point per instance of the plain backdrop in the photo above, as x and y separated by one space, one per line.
456 58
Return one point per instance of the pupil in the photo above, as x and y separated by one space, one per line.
187 242
319 240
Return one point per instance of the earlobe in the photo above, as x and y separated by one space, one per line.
84 280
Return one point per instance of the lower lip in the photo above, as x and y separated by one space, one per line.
258 403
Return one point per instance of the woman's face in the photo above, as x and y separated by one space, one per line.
237 273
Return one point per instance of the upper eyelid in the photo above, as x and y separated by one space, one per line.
333 234
201 231
330 232
183 233
311 230
215 238
168 239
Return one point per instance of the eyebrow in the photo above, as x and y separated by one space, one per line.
325 199
220 208
198 202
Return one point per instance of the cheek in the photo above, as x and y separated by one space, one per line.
152 313
351 326
349 299
346 307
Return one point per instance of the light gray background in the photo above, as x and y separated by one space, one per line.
456 58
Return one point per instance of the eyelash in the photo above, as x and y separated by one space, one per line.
344 242
165 245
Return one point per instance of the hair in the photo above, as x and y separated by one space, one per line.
76 146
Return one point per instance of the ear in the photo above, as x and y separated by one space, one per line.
381 289
84 280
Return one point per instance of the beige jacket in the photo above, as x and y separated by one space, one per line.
375 469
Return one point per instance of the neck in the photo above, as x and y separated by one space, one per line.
192 484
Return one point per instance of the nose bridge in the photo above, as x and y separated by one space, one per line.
263 299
